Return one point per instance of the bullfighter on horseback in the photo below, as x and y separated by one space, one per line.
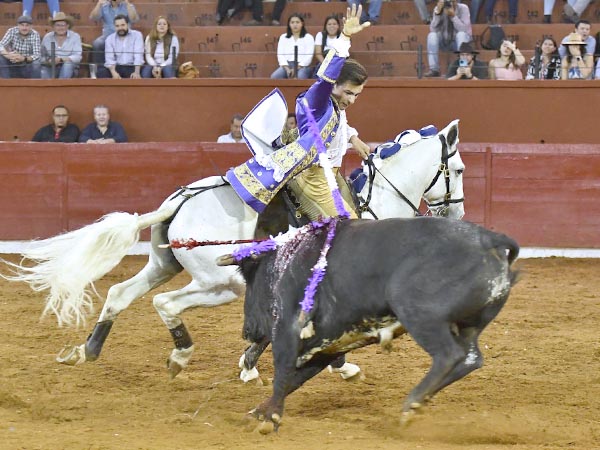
340 82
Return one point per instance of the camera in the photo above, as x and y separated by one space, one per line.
463 63
447 3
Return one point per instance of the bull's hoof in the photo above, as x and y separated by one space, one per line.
72 355
407 417
266 427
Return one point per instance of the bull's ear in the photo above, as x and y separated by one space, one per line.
451 132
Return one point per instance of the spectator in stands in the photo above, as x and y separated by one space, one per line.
60 130
53 7
257 13
158 49
583 28
467 66
235 133
370 14
291 121
577 64
124 54
513 6
449 29
20 51
547 65
332 28
107 10
507 64
103 130
572 10
423 11
296 36
67 48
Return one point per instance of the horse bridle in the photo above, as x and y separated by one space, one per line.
443 169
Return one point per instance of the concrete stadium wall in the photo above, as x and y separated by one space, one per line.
200 109
542 195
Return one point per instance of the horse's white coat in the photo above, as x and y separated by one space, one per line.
216 214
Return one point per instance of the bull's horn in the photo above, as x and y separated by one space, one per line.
225 260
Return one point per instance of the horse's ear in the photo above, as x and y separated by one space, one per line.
451 132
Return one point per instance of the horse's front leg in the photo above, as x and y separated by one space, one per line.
249 359
170 305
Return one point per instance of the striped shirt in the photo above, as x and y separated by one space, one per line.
29 45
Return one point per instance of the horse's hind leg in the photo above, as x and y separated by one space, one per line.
161 267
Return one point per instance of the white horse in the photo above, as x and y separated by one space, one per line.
68 264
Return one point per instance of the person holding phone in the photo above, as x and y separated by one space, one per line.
450 28
106 11
467 66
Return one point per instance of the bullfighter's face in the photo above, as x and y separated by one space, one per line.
346 93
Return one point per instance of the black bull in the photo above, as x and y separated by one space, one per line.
440 280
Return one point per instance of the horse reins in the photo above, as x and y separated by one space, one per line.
443 168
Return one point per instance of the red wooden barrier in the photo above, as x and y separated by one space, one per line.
540 194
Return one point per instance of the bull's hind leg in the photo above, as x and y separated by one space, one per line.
435 338
467 337
170 305
161 267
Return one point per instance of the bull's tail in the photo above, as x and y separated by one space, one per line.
68 264
507 246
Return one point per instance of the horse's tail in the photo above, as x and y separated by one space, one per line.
68 264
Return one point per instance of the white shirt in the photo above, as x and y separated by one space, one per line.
340 142
328 42
227 139
306 49
158 59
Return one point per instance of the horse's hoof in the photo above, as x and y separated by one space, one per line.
249 375
72 355
173 368
347 371
266 427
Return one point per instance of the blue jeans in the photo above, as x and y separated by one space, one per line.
53 7
167 72
434 39
303 73
19 70
370 13
97 56
62 71
474 9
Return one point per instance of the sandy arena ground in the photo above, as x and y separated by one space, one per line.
539 388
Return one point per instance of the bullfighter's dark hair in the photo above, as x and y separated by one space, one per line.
352 72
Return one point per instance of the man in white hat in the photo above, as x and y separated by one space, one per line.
20 51
61 49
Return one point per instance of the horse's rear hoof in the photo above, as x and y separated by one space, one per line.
72 355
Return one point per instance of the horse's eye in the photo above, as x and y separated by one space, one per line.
460 171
